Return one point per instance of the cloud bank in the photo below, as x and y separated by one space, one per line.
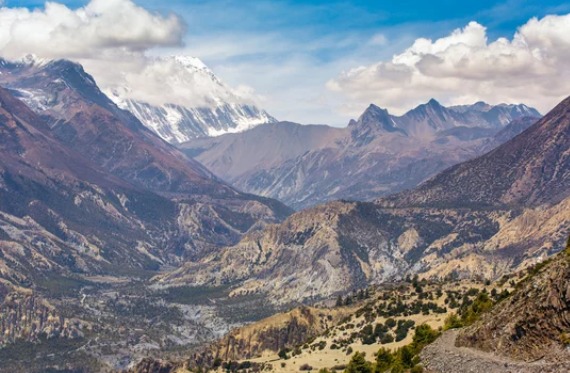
111 39
465 67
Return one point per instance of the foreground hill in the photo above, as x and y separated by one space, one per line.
376 155
340 246
535 322
387 317
517 324
526 332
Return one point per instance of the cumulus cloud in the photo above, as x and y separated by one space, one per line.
465 67
102 25
113 39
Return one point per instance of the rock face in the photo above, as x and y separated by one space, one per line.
25 317
277 332
532 324
221 111
433 230
443 356
148 365
284 330
376 155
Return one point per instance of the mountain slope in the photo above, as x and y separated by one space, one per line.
83 119
60 213
532 324
532 169
222 110
376 155
340 246
276 143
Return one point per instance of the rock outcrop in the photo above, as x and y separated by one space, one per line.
534 323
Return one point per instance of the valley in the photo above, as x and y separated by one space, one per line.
326 336
110 323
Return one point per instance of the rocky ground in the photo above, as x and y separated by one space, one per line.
443 356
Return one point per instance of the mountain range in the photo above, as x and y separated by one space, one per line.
378 154
484 218
115 243
89 194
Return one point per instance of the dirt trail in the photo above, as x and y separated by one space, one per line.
444 357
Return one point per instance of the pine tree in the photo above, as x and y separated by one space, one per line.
358 364
339 301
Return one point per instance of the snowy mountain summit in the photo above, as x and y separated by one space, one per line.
180 98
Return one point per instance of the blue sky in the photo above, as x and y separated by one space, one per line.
345 24
287 51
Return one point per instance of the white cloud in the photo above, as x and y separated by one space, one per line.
102 25
465 67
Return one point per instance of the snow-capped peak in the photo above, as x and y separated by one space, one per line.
191 62
180 98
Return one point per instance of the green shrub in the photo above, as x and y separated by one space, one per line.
384 360
283 353
452 322
358 364
406 356
480 305
387 338
423 336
